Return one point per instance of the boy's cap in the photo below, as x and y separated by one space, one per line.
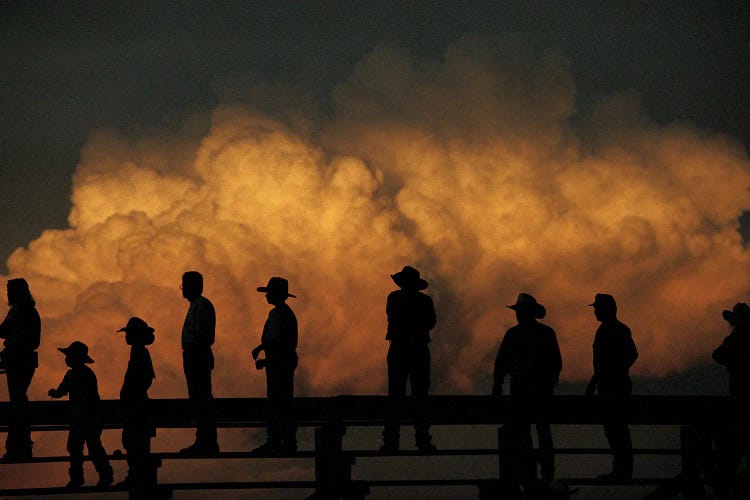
137 332
136 324
604 300
78 351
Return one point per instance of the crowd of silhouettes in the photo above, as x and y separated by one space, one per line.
529 354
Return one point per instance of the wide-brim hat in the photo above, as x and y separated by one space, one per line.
604 300
739 315
525 300
138 331
409 277
277 286
77 350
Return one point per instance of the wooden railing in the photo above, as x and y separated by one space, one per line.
331 416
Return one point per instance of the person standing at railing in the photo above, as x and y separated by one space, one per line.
614 354
80 384
21 330
734 354
411 316
138 425
529 353
279 343
198 333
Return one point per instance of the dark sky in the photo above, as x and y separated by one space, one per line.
69 67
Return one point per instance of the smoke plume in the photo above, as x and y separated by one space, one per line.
476 168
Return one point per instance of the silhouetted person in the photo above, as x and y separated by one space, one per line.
138 426
279 343
21 330
530 355
198 334
734 351
733 441
80 385
614 354
411 316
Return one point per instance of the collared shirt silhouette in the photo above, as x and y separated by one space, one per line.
411 316
279 343
734 351
80 385
21 330
198 333
614 354
529 353
138 426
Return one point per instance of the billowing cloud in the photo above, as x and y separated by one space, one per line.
475 168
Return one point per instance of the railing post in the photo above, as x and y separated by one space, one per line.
333 468
690 453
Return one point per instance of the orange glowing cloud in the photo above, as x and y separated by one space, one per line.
471 168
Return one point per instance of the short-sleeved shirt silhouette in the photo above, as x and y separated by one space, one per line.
80 384
411 316
734 353
138 376
614 352
21 328
280 335
199 329
531 356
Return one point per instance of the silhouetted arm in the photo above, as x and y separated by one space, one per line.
205 322
430 316
630 352
63 389
723 353
591 388
5 327
502 363
555 358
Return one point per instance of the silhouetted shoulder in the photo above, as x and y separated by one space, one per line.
546 329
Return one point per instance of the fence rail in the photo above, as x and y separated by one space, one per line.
331 416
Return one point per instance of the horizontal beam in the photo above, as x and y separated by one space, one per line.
372 410
463 452
383 483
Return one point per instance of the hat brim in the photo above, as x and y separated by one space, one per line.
265 289
403 282
539 310
727 315
86 358
134 330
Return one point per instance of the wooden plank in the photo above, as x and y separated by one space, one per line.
372 410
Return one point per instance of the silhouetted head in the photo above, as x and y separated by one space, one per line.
137 332
605 307
408 279
18 292
76 353
527 309
277 290
739 315
192 285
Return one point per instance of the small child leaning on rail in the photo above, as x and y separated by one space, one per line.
85 423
